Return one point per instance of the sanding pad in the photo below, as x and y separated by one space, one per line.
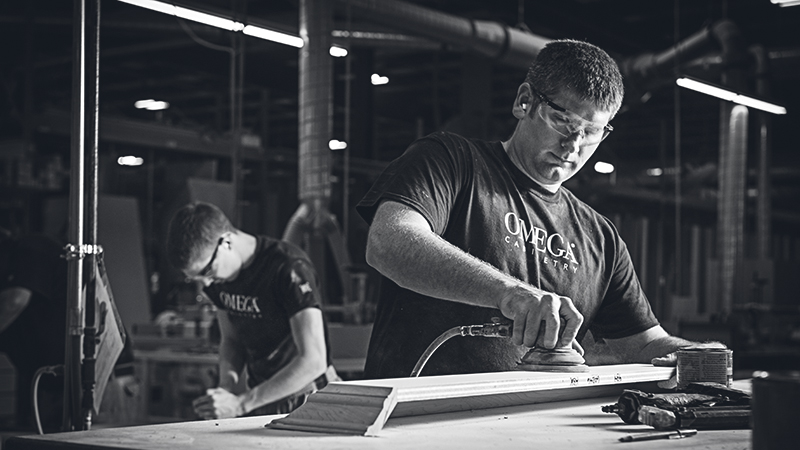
563 359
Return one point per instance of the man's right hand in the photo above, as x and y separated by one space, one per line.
536 312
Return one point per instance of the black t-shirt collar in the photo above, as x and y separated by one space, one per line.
523 181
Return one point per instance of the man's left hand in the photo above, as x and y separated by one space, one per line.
218 403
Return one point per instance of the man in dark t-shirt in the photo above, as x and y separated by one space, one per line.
466 231
33 307
268 301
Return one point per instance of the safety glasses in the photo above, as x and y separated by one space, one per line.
206 272
567 123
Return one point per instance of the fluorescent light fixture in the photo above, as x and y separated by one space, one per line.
655 172
130 161
705 88
726 94
603 167
335 144
153 5
217 21
341 52
208 19
274 36
785 3
151 105
378 79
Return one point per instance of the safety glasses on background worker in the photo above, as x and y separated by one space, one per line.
207 271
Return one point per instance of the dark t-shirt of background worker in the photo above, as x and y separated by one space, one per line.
261 300
36 338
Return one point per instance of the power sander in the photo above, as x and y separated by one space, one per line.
560 359
537 359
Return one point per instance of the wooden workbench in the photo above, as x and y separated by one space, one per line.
573 425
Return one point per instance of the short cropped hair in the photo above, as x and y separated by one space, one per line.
194 228
581 67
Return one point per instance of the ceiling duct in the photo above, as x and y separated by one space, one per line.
312 223
506 44
649 70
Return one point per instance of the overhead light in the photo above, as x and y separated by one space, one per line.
218 21
731 96
153 5
603 167
188 14
208 19
274 36
335 144
655 172
151 105
130 161
785 3
338 52
378 79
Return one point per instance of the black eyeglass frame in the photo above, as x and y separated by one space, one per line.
560 108
208 267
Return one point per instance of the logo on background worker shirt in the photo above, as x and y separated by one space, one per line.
245 304
554 250
305 286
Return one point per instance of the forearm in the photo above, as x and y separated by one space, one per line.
12 302
296 375
429 265
402 246
231 365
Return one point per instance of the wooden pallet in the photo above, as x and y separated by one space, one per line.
362 407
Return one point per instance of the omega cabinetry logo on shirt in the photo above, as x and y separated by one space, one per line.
240 303
553 248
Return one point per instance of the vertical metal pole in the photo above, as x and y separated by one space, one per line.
348 81
234 130
678 164
93 114
74 319
763 205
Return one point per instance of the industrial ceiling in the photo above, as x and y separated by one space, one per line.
146 54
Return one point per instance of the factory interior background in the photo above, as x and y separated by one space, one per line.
227 132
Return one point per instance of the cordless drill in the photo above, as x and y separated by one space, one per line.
703 406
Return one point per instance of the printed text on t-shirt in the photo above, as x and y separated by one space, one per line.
240 303
555 250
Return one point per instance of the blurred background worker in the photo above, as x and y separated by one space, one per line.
33 304
33 311
268 301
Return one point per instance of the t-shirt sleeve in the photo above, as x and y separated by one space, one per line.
625 310
426 178
38 266
298 287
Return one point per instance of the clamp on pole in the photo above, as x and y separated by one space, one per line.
72 251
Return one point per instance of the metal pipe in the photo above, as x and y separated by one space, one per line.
348 82
763 202
89 330
506 44
731 205
315 103
74 319
648 70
